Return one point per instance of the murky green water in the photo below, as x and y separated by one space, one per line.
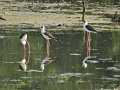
66 71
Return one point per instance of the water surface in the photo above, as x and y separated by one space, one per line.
66 71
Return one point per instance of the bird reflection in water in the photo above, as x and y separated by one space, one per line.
89 59
48 59
23 63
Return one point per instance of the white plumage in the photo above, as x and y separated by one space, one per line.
89 28
23 65
23 39
46 34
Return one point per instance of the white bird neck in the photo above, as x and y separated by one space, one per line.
86 23
43 29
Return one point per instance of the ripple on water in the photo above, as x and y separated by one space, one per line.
106 59
34 71
94 49
99 68
11 80
60 77
93 61
2 37
37 59
26 77
109 79
73 75
60 81
9 62
113 69
112 79
80 81
117 76
75 54
31 71
117 65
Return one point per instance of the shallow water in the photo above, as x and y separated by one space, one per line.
66 72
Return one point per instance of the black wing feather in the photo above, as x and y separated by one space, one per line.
22 35
49 35
90 28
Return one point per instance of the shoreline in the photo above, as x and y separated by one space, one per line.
59 19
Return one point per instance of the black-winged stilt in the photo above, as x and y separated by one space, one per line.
23 40
23 63
89 28
47 35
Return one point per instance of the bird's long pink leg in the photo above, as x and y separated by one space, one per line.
87 39
28 58
89 48
28 46
24 50
28 52
48 43
48 52
88 44
89 36
48 49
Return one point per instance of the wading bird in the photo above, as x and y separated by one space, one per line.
87 27
23 40
47 35
23 63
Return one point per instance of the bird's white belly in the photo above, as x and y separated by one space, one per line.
23 42
45 36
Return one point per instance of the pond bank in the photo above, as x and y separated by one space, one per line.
54 18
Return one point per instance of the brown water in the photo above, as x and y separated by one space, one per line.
66 71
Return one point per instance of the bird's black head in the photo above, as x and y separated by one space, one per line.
41 27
